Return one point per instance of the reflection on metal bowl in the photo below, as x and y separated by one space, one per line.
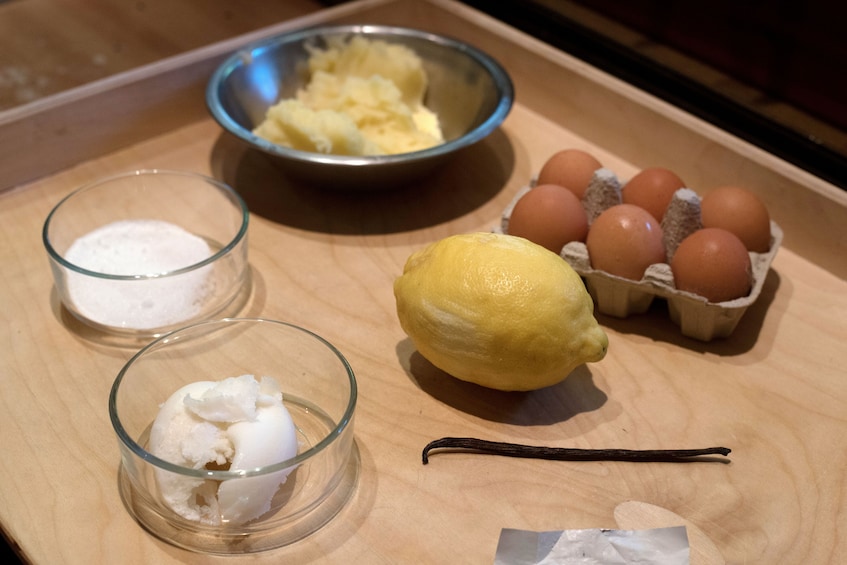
468 90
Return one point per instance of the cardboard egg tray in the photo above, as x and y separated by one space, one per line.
620 297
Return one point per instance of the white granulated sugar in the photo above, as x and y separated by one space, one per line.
139 247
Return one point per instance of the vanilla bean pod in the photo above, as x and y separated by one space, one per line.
568 454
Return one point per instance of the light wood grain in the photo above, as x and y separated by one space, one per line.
48 47
163 93
640 515
774 393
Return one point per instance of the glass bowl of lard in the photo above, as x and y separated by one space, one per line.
236 435
359 107
139 254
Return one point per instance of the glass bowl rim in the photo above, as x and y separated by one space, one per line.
226 249
335 433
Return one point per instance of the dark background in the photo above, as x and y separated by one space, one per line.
790 50
790 54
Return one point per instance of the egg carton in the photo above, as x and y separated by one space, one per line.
619 297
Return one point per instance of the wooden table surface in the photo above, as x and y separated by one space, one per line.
49 46
775 392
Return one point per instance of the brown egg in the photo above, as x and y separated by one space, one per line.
624 240
652 189
712 263
549 215
571 168
740 211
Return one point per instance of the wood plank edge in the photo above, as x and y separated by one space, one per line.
48 135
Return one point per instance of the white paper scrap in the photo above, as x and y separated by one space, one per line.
658 546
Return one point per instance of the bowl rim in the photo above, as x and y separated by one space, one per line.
225 250
344 422
245 54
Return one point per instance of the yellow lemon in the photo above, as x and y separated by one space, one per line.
498 310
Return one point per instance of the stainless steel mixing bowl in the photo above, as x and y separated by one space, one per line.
469 91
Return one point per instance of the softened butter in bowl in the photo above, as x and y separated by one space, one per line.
467 90
363 97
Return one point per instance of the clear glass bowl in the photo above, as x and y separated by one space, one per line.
319 392
146 252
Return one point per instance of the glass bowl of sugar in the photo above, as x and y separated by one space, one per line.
142 253
236 435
